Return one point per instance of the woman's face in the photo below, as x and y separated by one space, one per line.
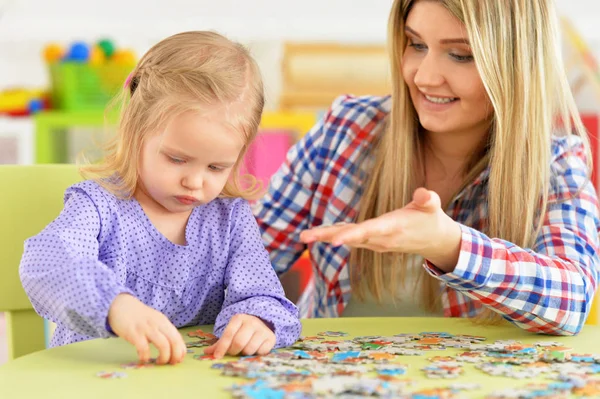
439 70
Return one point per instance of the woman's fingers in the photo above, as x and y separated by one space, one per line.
323 233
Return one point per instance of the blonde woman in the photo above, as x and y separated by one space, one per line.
160 236
458 195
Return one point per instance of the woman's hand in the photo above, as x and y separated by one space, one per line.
421 227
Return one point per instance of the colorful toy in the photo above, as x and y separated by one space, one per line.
79 52
97 56
107 47
124 57
22 102
53 52
86 77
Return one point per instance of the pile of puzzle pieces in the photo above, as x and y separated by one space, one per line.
370 366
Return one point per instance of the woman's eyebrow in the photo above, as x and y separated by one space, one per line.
461 40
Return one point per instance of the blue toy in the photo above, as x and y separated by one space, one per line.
35 105
78 52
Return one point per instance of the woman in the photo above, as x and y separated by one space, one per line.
459 194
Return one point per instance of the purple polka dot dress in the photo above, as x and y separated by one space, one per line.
101 246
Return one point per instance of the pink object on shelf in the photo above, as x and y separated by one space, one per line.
591 123
267 153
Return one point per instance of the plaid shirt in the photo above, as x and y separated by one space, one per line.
548 288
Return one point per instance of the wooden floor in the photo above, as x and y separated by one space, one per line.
3 349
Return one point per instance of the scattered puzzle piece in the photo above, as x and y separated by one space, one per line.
333 334
204 357
111 374
369 366
202 335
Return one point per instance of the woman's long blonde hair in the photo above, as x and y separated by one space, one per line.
516 47
190 71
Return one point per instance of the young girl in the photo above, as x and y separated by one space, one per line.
460 194
159 238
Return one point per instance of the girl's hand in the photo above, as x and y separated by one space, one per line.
421 227
141 325
244 334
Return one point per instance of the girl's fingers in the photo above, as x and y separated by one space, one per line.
143 348
254 344
266 347
223 344
241 340
160 341
178 349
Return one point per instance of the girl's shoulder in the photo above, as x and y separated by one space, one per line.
223 208
90 191
226 215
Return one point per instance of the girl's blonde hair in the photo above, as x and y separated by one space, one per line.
190 71
516 47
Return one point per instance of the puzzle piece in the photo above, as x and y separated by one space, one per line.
201 335
333 334
111 374
204 357
368 366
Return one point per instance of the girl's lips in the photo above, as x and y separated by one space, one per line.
186 199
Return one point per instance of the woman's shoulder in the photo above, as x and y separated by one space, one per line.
357 114
570 168
348 127
362 104
569 154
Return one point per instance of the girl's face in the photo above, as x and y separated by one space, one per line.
189 164
439 70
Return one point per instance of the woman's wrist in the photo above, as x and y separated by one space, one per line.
445 251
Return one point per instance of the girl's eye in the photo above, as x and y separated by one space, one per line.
176 160
215 168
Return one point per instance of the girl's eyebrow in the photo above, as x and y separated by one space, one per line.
180 154
225 164
443 41
176 152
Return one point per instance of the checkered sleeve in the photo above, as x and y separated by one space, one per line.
550 287
285 209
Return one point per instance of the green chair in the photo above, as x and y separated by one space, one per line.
30 198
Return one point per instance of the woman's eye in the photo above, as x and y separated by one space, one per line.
417 46
462 58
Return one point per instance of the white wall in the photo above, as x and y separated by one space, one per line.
27 25
586 15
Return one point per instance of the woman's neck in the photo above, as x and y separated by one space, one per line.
452 152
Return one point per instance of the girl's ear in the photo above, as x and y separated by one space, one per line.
132 82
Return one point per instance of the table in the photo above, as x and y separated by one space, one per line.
70 371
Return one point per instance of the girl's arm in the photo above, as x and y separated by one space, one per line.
252 287
61 273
